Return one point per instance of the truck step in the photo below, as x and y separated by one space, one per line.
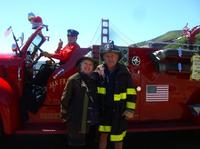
42 128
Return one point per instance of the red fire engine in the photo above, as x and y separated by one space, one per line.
167 80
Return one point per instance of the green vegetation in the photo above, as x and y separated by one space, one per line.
171 36
181 40
198 39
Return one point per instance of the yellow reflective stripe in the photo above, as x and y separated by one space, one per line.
130 105
104 128
101 90
131 91
117 97
123 95
118 137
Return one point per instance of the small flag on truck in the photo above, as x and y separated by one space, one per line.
8 31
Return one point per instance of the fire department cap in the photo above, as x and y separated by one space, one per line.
95 63
72 32
110 48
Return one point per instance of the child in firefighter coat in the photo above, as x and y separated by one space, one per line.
79 107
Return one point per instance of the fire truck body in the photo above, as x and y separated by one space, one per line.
167 97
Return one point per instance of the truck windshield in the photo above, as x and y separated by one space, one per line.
35 44
33 49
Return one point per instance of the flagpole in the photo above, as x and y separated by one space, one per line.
15 40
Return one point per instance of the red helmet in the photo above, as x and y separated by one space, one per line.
36 22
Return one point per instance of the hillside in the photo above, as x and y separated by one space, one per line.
169 37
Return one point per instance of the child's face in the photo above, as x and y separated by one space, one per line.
86 66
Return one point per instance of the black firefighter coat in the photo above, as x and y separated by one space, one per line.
74 104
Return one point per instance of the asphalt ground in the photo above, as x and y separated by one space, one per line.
147 140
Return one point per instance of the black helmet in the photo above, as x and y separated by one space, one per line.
110 48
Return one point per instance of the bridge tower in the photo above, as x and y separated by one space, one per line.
104 31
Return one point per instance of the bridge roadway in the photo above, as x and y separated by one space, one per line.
146 140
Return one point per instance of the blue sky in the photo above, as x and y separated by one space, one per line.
131 21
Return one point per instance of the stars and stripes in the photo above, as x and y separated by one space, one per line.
157 93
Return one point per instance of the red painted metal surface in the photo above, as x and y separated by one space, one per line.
9 108
182 90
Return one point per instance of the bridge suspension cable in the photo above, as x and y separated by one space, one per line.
94 36
105 34
121 35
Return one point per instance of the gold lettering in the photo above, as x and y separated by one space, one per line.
53 84
62 81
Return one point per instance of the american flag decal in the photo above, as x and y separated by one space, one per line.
155 93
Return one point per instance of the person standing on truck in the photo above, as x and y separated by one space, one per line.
117 97
63 54
79 106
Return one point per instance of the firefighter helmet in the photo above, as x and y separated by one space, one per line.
36 22
110 48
